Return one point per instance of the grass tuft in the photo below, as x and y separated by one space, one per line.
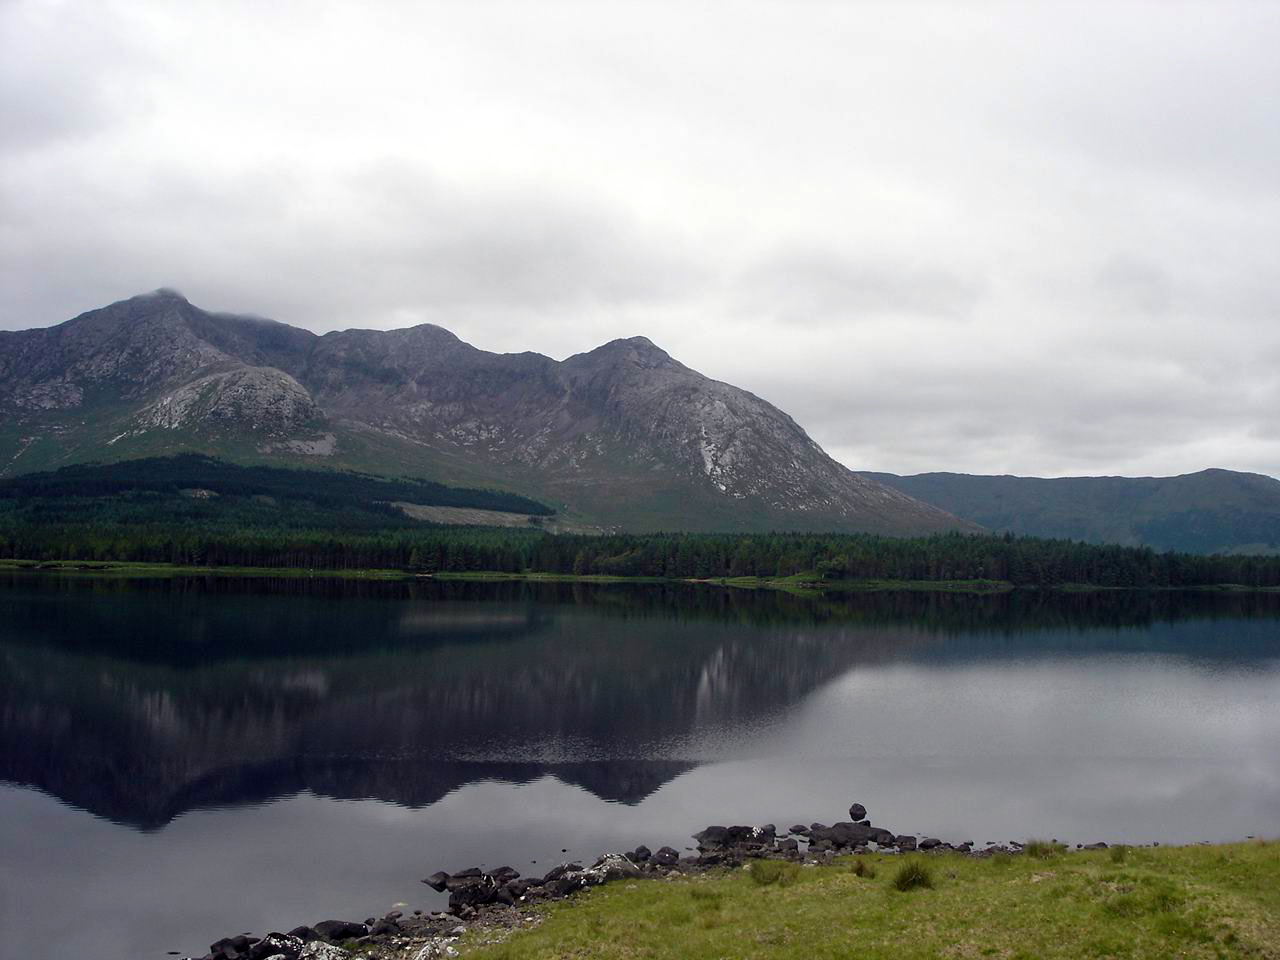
913 874
1042 849
861 868
1119 853
765 872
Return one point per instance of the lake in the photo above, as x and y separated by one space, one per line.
182 759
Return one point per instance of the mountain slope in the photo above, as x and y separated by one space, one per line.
1213 511
622 435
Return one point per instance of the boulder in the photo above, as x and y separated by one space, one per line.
474 893
857 812
712 836
336 930
463 878
640 854
277 945
437 881
232 948
906 842
799 829
928 843
319 950
612 866
505 874
555 873
384 928
843 834
666 857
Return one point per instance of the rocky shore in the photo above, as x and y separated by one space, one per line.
501 900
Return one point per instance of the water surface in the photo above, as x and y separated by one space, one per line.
185 758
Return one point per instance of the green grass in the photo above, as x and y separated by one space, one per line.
796 585
1043 849
913 874
114 569
1193 902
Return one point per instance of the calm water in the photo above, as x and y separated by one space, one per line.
184 759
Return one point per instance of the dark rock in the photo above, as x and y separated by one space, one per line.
566 884
520 887
667 856
239 947
384 928
393 915
788 845
843 834
905 841
277 945
305 934
712 836
555 873
477 892
337 930
799 829
882 836
505 874
437 881
641 854
857 812
928 843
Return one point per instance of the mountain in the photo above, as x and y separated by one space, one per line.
623 435
1213 511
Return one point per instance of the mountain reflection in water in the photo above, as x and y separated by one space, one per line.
141 700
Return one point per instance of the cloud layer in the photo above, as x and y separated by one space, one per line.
994 238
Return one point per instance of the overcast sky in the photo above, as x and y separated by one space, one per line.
1027 238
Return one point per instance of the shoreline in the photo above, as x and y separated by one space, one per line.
799 585
491 907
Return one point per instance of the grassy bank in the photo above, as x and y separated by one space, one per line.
93 568
799 583
1210 901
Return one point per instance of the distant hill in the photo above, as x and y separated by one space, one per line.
1213 511
621 436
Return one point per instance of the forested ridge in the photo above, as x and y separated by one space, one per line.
198 477
193 510
1022 561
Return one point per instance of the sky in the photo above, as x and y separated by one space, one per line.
1032 238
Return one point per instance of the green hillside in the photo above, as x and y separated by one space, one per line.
198 491
1213 511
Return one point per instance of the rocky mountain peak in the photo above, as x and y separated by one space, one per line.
620 435
634 351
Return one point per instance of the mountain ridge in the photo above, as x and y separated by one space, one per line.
623 435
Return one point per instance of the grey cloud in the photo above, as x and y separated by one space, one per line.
386 241
1135 285
816 288
1031 238
44 103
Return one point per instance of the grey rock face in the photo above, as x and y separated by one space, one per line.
623 434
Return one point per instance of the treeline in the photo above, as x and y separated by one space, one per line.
181 475
1023 561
